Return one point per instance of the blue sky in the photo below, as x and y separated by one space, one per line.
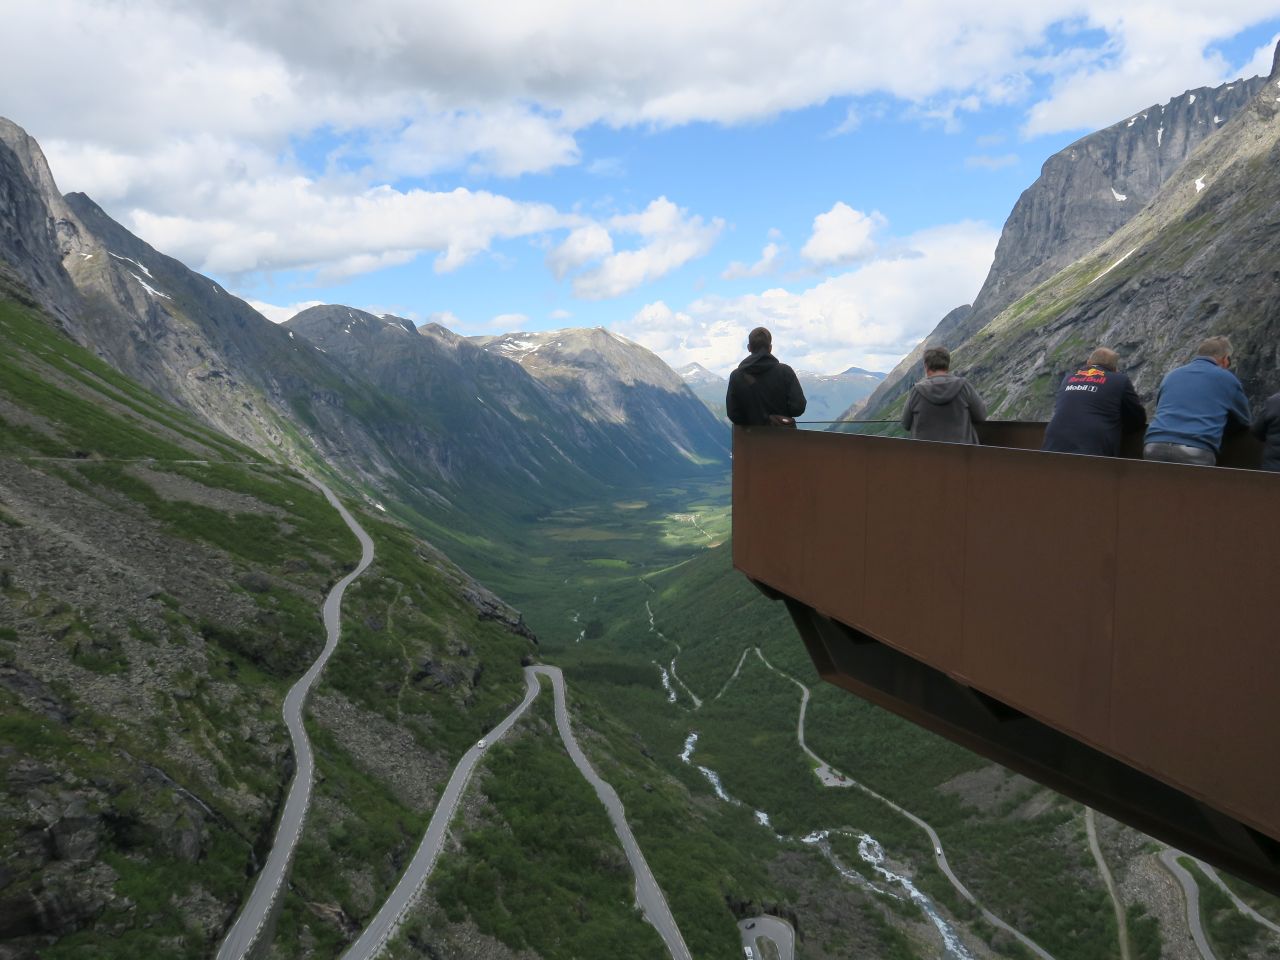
837 171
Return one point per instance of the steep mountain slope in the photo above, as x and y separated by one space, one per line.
1083 195
1198 260
175 332
496 423
651 418
160 588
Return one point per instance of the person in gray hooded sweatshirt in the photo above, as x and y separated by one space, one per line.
942 406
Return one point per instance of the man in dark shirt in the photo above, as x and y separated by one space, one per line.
762 390
1096 405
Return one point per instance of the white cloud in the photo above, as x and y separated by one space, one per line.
175 115
295 223
983 161
279 314
580 247
870 316
766 264
841 235
559 314
1153 52
504 140
673 238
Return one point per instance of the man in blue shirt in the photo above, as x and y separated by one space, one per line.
1196 403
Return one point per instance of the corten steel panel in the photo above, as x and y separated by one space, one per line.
915 523
808 513
1040 586
1124 603
1197 688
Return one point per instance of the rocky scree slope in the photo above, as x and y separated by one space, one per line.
1083 195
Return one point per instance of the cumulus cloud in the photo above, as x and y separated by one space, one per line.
279 314
1151 53
580 247
288 224
841 235
870 316
671 238
766 264
168 102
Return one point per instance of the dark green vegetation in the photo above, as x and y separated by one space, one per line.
541 869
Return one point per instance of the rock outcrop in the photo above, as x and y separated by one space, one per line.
1083 195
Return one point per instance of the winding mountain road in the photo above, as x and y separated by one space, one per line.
266 889
1243 907
649 895
1191 891
387 920
833 778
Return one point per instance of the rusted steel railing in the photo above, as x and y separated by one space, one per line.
1124 605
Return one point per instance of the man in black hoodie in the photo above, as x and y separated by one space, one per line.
762 390
942 406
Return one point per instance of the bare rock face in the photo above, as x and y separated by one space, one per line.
1196 261
1084 194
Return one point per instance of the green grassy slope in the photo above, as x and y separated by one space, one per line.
161 590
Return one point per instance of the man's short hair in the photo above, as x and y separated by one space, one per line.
1105 358
1215 347
937 358
759 339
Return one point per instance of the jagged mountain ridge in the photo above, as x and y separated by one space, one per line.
489 412
189 341
614 382
1198 260
827 394
1084 193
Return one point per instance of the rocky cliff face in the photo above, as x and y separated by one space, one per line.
1198 260
1083 195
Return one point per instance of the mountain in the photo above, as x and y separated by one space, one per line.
827 395
706 386
160 590
830 395
1197 260
187 340
655 421
1083 195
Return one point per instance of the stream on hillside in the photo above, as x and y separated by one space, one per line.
869 850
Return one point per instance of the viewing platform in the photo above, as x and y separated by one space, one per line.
1105 626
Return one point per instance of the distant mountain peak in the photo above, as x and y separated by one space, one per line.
697 373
